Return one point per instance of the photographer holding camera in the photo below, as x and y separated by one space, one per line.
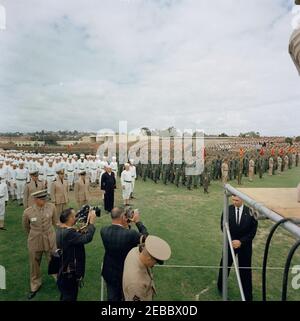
71 242
118 239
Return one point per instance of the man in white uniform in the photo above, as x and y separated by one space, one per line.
3 200
50 175
93 170
82 164
22 176
12 181
41 168
126 182
70 172
133 176
114 166
2 169
76 171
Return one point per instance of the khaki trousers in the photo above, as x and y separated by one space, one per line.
59 209
271 171
35 259
224 177
251 174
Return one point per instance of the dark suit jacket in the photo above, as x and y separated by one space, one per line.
72 244
108 182
246 230
117 242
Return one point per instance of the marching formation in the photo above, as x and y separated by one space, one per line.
225 164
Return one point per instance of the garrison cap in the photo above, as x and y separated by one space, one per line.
40 194
158 248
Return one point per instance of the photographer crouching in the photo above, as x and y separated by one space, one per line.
118 239
70 240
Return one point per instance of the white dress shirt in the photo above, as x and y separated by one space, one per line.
238 219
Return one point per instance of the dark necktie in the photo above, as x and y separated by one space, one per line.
238 216
36 184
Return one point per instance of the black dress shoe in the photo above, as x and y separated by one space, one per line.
3 229
32 294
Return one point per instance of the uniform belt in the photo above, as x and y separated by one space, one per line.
128 181
70 171
50 175
1 196
21 179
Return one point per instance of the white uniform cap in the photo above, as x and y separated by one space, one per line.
158 248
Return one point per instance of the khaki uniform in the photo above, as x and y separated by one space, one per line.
30 188
224 170
82 194
286 162
38 223
59 195
251 170
293 160
138 284
271 164
279 164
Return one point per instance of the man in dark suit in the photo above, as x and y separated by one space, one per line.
118 239
108 185
243 228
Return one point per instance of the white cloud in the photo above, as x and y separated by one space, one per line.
221 66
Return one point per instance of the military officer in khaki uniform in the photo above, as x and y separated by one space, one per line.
224 170
38 222
286 162
279 166
271 164
138 284
33 186
59 193
251 169
81 188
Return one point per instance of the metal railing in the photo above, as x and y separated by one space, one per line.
228 191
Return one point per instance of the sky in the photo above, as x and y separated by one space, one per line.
218 66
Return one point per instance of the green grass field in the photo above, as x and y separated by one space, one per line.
188 220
